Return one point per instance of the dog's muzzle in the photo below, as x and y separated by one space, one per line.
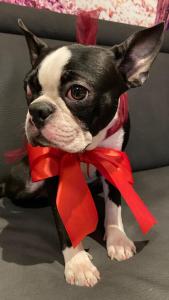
52 124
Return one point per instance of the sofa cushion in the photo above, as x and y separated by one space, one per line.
149 109
32 265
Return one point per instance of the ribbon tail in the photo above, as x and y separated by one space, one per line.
74 201
143 216
118 178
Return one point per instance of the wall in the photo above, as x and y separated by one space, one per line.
139 12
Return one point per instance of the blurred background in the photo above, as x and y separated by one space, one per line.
137 12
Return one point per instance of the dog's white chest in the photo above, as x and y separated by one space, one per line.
115 141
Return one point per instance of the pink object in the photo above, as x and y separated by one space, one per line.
13 155
163 12
86 27
138 12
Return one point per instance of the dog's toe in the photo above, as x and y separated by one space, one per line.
80 271
91 278
119 246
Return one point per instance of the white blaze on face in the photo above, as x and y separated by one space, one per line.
62 130
51 69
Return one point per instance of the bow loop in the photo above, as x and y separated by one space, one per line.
109 161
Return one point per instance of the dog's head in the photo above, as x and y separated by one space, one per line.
73 91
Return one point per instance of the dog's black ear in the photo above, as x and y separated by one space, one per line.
35 44
135 56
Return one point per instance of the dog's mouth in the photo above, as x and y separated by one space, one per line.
36 137
39 140
63 134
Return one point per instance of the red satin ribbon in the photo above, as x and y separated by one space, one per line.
122 115
74 201
87 26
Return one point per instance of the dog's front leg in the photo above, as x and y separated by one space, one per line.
79 270
119 246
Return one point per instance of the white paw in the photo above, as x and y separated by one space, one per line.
119 246
80 271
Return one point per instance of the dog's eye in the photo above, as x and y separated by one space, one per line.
77 92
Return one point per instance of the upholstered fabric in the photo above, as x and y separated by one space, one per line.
32 265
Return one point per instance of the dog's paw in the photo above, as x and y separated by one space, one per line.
119 246
80 270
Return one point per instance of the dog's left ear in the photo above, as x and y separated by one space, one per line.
135 56
35 45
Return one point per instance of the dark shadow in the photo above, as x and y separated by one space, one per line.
23 240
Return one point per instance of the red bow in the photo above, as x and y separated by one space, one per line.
74 201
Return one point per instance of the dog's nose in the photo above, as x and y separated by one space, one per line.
40 111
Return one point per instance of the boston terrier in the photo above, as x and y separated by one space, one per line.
73 96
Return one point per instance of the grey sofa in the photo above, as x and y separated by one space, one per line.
31 265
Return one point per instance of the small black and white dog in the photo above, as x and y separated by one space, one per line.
73 94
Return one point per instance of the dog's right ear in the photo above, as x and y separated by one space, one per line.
35 45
